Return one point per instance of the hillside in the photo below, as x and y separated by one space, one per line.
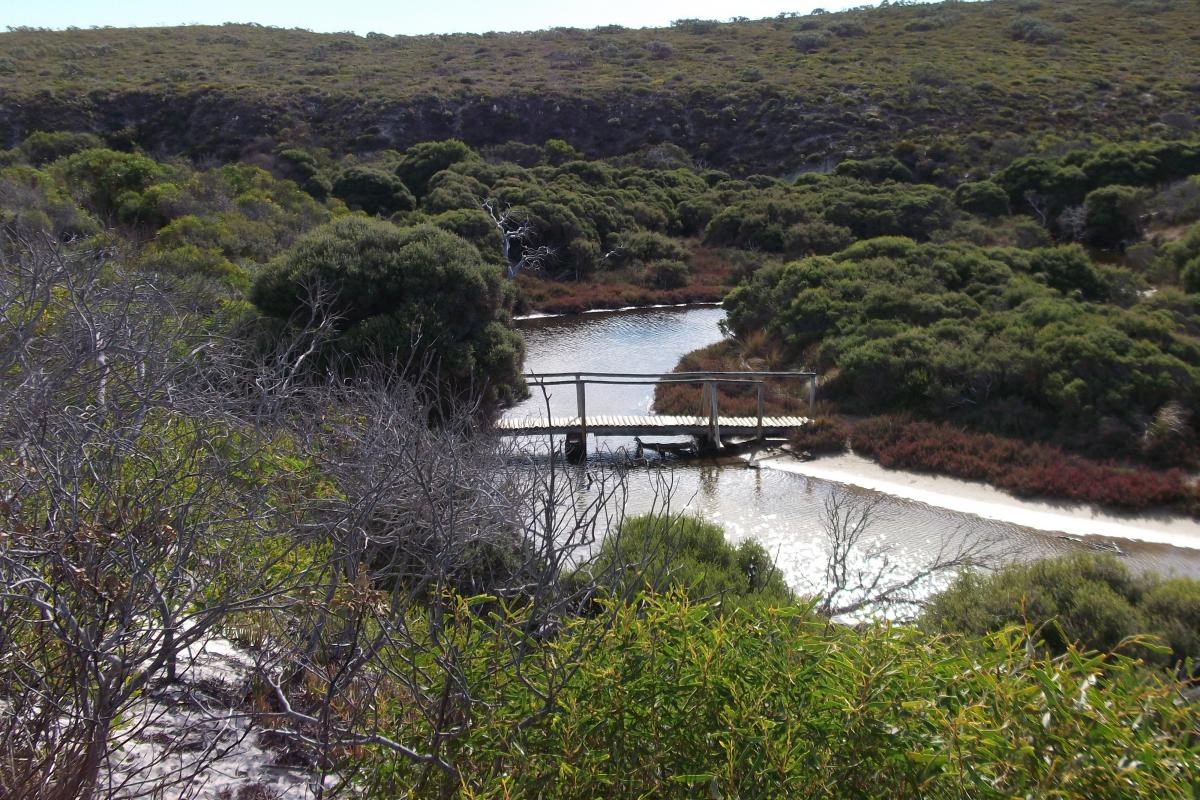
772 95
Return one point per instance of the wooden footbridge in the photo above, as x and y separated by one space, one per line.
708 429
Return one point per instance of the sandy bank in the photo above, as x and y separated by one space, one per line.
985 501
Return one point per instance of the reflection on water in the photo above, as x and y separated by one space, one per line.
626 341
781 510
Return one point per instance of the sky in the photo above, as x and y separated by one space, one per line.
398 16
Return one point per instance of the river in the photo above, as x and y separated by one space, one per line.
780 508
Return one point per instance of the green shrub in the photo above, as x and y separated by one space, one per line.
405 293
692 556
816 238
373 191
810 41
644 246
667 274
674 700
104 178
1090 600
886 168
1111 215
422 161
1028 29
42 147
985 198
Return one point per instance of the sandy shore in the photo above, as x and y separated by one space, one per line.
969 497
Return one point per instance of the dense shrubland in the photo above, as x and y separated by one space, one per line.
239 396
417 614
965 83
1051 299
1020 341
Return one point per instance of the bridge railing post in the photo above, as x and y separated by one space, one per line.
760 409
581 403
714 429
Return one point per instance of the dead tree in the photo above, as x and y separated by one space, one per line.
518 240
450 549
133 527
861 573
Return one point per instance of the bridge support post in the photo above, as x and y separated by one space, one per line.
577 442
812 393
711 440
576 448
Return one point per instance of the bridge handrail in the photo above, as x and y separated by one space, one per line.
708 396
673 375
647 383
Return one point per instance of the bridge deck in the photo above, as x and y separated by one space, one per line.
607 425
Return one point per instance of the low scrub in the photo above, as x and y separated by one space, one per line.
1023 468
679 701
822 435
692 556
1090 600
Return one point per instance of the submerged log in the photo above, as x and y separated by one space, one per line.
665 448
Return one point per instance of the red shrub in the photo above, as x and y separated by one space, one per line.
1023 468
822 435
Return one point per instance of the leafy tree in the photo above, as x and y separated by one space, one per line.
982 197
104 179
373 190
1111 215
404 293
422 161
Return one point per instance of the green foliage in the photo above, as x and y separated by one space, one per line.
1111 215
985 198
645 246
676 701
762 218
1088 600
1183 258
109 181
1068 269
405 293
885 168
816 238
33 200
993 336
1028 29
373 190
42 147
422 161
557 152
692 556
667 274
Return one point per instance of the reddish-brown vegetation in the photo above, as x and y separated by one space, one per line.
736 400
1023 468
822 435
712 276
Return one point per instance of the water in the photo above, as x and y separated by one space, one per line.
783 511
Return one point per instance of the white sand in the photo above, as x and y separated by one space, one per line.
985 501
